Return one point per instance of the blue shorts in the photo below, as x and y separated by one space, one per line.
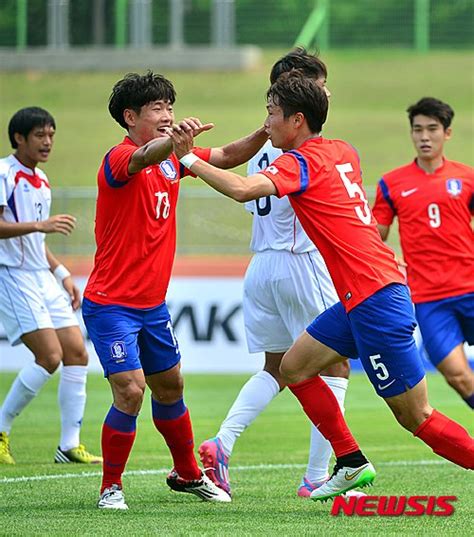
446 323
130 338
379 331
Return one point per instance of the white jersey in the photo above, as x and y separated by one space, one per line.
275 225
25 196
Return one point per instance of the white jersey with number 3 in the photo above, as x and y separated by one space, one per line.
275 226
25 196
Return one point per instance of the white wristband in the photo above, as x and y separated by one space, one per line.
61 272
188 160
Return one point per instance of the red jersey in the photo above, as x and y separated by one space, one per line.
135 229
323 181
434 216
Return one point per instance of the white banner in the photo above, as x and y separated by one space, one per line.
208 322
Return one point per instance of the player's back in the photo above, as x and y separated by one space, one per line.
275 225
26 197
323 179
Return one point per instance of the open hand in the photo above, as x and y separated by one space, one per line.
59 223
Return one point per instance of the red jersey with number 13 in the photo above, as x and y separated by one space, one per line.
135 229
323 181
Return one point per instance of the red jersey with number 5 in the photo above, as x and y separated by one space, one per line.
135 229
323 181
434 214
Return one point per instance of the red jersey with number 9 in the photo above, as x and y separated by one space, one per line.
434 216
135 229
322 179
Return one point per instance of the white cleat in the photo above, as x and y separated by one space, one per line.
204 488
112 498
343 480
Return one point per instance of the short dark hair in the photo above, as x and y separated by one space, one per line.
134 91
299 58
27 119
294 92
431 107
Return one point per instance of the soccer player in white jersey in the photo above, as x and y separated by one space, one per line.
286 285
34 308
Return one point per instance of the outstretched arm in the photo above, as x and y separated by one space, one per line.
239 151
228 183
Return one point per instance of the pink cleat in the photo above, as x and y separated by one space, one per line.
306 488
215 462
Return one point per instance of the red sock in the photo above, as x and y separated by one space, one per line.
447 439
322 408
116 447
178 435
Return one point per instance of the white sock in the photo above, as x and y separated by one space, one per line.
25 387
320 449
253 398
72 400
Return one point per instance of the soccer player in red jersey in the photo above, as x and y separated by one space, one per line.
374 319
433 199
124 306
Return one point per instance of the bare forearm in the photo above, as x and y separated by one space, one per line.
53 262
151 153
9 230
239 151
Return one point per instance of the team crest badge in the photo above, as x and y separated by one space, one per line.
168 170
118 351
454 186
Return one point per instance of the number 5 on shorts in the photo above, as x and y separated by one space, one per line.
380 370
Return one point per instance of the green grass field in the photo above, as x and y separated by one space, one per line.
38 497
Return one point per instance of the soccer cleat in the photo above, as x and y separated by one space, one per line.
112 498
306 488
204 487
343 479
215 462
78 454
6 456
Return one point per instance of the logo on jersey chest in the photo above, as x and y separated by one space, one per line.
454 186
118 351
168 170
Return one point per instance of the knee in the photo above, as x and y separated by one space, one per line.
341 370
129 398
461 381
76 355
288 373
170 392
50 360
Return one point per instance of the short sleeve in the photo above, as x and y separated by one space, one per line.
289 174
3 191
116 164
203 153
384 208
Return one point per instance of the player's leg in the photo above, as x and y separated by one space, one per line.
265 332
25 319
383 326
445 325
114 331
72 397
253 398
46 349
160 358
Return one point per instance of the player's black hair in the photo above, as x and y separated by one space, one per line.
299 58
134 91
27 119
294 92
431 107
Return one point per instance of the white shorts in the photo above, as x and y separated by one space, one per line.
31 300
283 293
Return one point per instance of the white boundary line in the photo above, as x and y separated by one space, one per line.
161 471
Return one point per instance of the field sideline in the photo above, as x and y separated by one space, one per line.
41 498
